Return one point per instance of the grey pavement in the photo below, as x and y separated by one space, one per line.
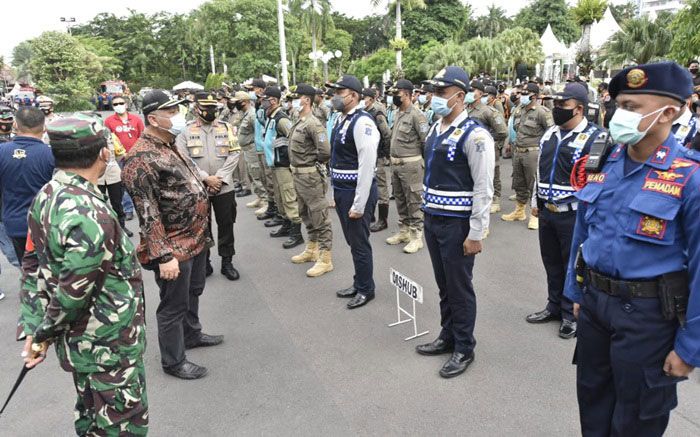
296 362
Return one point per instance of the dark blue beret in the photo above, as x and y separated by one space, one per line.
666 79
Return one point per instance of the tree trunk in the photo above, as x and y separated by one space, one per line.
313 41
398 34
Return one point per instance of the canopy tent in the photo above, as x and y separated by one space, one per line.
551 46
603 30
188 85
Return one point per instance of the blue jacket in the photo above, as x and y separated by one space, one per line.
26 165
644 225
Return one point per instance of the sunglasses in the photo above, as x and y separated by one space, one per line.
118 104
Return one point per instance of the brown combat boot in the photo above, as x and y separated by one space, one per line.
324 264
517 215
310 254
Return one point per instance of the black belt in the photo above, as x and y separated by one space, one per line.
618 287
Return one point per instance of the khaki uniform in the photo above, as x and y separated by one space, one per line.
531 124
383 163
499 106
318 112
246 139
241 172
283 182
309 146
493 121
407 167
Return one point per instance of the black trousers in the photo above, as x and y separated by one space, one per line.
356 232
444 237
224 206
19 243
556 232
115 193
178 310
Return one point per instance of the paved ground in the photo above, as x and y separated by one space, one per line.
296 362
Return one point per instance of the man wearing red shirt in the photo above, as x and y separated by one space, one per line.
127 127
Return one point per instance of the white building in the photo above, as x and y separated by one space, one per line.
653 7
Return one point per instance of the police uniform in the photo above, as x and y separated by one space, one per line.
246 140
212 147
458 187
490 118
309 151
685 128
640 236
407 168
555 201
353 157
378 112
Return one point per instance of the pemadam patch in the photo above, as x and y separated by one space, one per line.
651 227
670 182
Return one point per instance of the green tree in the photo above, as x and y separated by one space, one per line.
521 46
494 22
413 61
338 39
539 13
624 12
487 55
450 53
686 33
315 17
374 65
369 34
399 44
105 54
441 17
640 41
21 57
587 12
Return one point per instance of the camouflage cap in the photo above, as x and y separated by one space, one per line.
75 132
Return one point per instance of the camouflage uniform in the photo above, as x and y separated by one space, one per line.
81 289
493 121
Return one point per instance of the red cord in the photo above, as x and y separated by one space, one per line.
578 174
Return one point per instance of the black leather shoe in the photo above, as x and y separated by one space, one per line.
128 232
186 370
346 292
274 221
282 231
268 215
237 187
129 216
205 340
228 270
437 347
567 329
244 193
543 316
378 226
456 365
358 301
210 269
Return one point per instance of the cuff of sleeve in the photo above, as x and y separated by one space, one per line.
475 235
573 293
687 345
164 259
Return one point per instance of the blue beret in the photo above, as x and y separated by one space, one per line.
666 79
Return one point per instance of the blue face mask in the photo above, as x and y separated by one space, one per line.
296 104
485 100
422 99
469 98
525 100
624 125
252 95
440 107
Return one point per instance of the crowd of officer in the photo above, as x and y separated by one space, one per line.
610 179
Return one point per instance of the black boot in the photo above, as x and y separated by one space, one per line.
271 211
283 231
381 224
295 237
228 270
274 221
128 233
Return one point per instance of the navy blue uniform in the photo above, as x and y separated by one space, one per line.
635 226
557 206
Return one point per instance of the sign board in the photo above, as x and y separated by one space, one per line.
407 286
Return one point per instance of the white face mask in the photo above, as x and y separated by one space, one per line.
296 104
624 125
179 123
121 109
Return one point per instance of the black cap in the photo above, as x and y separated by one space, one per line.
451 76
491 90
404 84
573 90
532 88
319 91
369 92
347 82
273 91
427 87
204 98
478 85
158 99
258 83
303 89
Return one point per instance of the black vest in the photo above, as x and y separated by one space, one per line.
344 164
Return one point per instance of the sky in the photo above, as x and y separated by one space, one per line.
42 15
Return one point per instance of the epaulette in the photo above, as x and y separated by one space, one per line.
691 154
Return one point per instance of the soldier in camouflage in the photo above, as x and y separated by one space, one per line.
81 287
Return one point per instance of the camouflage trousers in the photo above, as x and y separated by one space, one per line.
313 207
254 167
113 403
407 185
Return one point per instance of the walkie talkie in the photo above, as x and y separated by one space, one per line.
600 149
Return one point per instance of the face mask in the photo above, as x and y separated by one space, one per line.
327 104
469 98
5 128
120 109
46 111
624 125
265 105
513 98
252 95
296 104
207 114
693 71
338 103
422 99
485 100
562 115
525 100
178 124
396 100
439 105
361 105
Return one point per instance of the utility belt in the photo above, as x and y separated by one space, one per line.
564 207
526 149
302 170
672 289
406 160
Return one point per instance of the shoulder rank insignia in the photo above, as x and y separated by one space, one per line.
651 227
19 154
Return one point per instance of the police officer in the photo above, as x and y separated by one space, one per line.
353 157
554 203
212 146
276 145
490 118
534 121
407 142
459 155
309 152
378 112
636 284
685 127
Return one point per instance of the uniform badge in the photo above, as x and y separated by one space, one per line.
582 138
637 78
322 138
668 175
455 136
596 178
651 227
196 151
660 155
680 163
19 154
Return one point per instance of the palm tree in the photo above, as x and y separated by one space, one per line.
521 46
587 12
640 41
408 4
486 54
315 17
494 22
451 53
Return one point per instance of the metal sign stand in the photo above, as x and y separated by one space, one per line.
411 316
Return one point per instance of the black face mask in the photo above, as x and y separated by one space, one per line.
207 114
693 71
514 98
5 127
231 106
562 115
239 106
396 100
